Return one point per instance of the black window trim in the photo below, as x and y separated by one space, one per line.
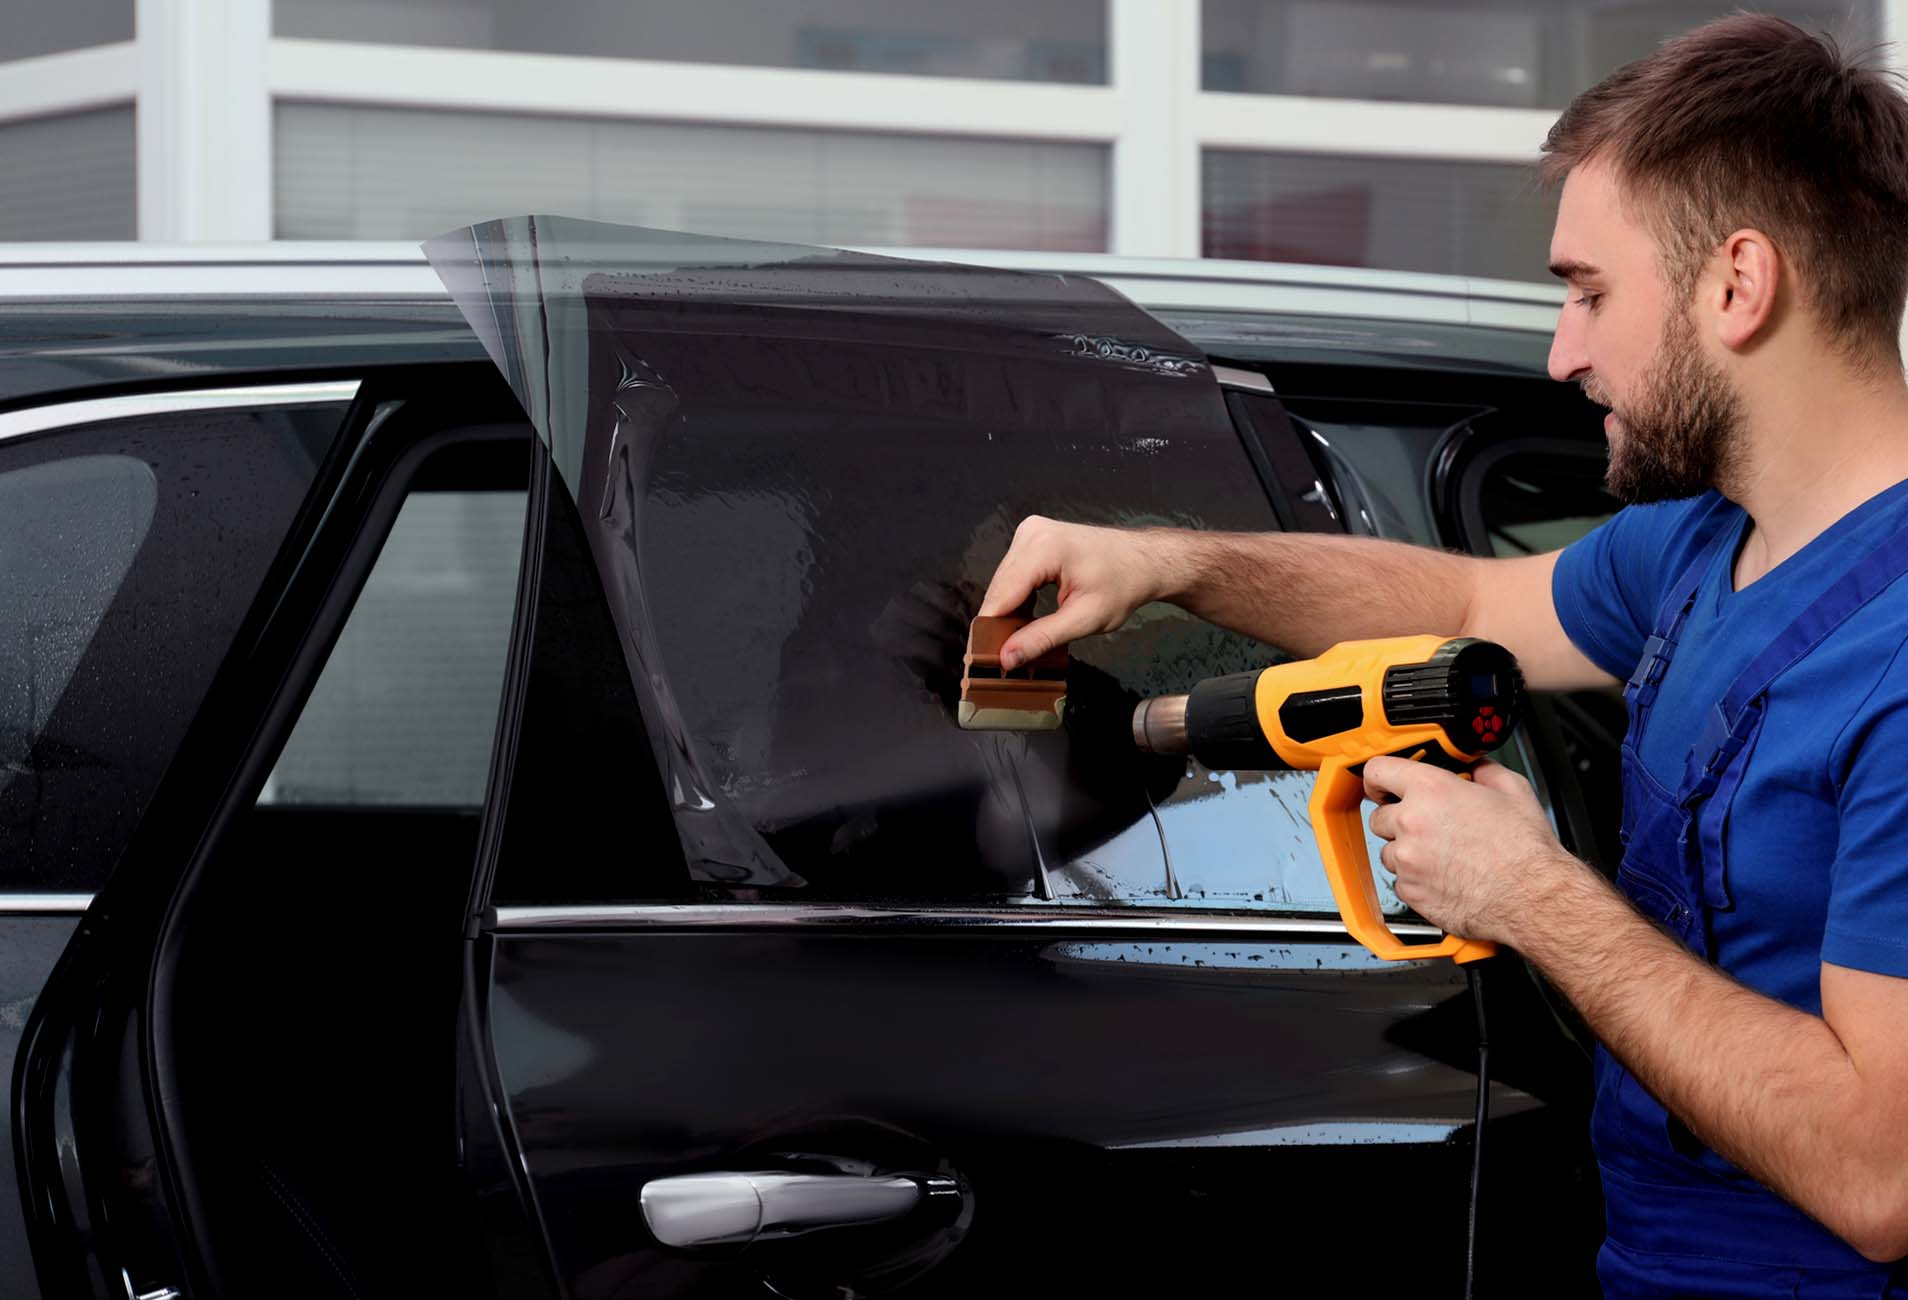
1302 499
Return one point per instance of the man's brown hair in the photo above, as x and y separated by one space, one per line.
1749 121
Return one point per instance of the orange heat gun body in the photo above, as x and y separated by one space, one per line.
1448 701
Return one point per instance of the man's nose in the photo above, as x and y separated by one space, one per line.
1568 359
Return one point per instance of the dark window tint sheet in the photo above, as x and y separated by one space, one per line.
795 471
129 554
813 563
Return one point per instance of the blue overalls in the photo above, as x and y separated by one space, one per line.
1682 1220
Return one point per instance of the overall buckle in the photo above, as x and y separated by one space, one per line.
1650 669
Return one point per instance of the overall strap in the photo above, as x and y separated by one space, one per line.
1712 773
1678 599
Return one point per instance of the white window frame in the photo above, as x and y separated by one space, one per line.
205 75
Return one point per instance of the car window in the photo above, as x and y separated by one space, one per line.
1529 498
1532 501
812 597
130 550
404 711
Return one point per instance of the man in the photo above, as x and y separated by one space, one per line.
1733 230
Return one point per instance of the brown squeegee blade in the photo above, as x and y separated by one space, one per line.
1032 697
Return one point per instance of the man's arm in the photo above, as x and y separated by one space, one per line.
1814 1107
1302 592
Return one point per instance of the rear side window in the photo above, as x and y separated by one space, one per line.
810 584
130 550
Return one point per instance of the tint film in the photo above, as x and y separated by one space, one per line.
795 473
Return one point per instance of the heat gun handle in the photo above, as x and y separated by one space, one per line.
1339 824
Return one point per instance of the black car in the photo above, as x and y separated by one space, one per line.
481 812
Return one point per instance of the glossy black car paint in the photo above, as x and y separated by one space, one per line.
1131 1114
857 1041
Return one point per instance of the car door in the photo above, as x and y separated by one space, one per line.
777 977
135 529
240 1077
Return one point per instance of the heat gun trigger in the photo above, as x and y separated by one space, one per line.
1431 754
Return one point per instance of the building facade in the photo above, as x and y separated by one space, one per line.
1388 133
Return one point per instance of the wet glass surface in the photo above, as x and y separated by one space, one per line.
797 471
130 551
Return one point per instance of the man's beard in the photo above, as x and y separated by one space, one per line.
1682 433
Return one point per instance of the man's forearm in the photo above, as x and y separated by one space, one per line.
1304 592
1770 1087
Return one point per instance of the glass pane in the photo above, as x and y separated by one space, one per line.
68 177
1507 53
68 533
1484 219
130 551
1533 502
406 708
1015 40
33 29
372 173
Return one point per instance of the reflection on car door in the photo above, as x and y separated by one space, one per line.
778 976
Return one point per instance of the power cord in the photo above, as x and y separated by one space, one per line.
1473 977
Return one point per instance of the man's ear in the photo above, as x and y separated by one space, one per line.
1742 292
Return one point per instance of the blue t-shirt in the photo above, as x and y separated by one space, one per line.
1816 838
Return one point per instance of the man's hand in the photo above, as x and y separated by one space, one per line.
1104 575
1474 857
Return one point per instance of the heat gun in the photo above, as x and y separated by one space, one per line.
1448 701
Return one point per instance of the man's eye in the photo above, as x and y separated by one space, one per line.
1589 300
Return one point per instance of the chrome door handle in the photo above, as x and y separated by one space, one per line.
733 1209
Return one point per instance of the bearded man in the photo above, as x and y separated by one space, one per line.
1733 231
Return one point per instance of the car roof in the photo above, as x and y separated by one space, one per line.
391 269
1242 311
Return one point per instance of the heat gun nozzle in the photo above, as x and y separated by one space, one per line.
1159 725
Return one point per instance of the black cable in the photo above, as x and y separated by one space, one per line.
1473 977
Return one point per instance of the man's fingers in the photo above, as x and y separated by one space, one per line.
1388 777
1014 581
1495 776
1028 566
1068 623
